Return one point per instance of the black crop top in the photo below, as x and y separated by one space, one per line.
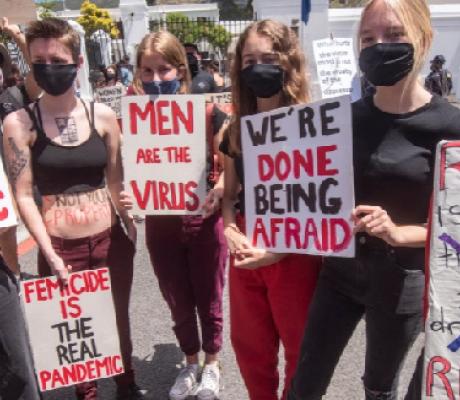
61 169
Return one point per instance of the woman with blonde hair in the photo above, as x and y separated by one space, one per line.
269 293
395 135
188 253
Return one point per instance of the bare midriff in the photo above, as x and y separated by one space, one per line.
77 215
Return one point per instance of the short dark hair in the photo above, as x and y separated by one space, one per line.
191 45
55 28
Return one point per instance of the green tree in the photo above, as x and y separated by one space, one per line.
47 8
190 31
229 11
93 18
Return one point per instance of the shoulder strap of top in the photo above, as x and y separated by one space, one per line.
90 119
92 115
39 115
35 125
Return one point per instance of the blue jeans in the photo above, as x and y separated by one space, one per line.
375 285
17 378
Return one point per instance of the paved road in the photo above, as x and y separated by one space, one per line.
157 357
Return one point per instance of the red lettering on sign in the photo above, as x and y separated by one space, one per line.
445 367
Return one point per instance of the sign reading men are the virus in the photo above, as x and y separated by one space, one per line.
72 328
164 153
442 325
299 178
335 62
111 96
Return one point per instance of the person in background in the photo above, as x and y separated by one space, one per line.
111 76
395 133
125 69
269 293
212 67
188 253
439 80
202 81
97 79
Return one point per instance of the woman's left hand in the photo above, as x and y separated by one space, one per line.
254 258
212 202
375 221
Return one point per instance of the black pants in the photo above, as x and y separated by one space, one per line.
377 286
17 379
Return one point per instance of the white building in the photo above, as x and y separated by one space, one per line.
192 10
342 22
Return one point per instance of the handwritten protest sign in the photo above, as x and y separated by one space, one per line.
335 62
111 96
299 178
164 153
442 326
218 98
73 332
7 213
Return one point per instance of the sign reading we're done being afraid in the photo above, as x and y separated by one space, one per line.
72 329
164 153
299 191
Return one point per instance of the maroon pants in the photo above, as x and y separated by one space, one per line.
113 249
188 256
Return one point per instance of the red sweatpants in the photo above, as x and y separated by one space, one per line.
269 305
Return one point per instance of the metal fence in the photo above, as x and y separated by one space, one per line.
15 53
102 50
214 38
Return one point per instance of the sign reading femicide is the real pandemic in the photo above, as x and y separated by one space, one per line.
299 178
72 328
442 326
164 153
335 62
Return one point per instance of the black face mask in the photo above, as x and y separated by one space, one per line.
264 80
385 64
55 79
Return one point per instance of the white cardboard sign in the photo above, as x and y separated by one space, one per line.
111 96
335 62
299 191
442 325
72 330
164 153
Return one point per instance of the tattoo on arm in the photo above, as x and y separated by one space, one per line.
67 129
16 162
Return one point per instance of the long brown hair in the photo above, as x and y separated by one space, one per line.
169 47
291 59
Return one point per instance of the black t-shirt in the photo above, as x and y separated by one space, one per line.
394 156
203 82
238 162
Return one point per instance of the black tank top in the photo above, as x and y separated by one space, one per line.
67 169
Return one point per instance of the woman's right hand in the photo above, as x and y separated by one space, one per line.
60 269
126 200
236 240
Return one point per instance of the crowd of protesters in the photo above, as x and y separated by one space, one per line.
310 305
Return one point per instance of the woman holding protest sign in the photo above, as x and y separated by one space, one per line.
395 135
188 253
269 293
71 151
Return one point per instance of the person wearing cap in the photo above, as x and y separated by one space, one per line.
439 80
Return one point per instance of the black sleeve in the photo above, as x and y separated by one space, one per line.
218 119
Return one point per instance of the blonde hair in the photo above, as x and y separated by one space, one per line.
414 15
292 61
169 47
